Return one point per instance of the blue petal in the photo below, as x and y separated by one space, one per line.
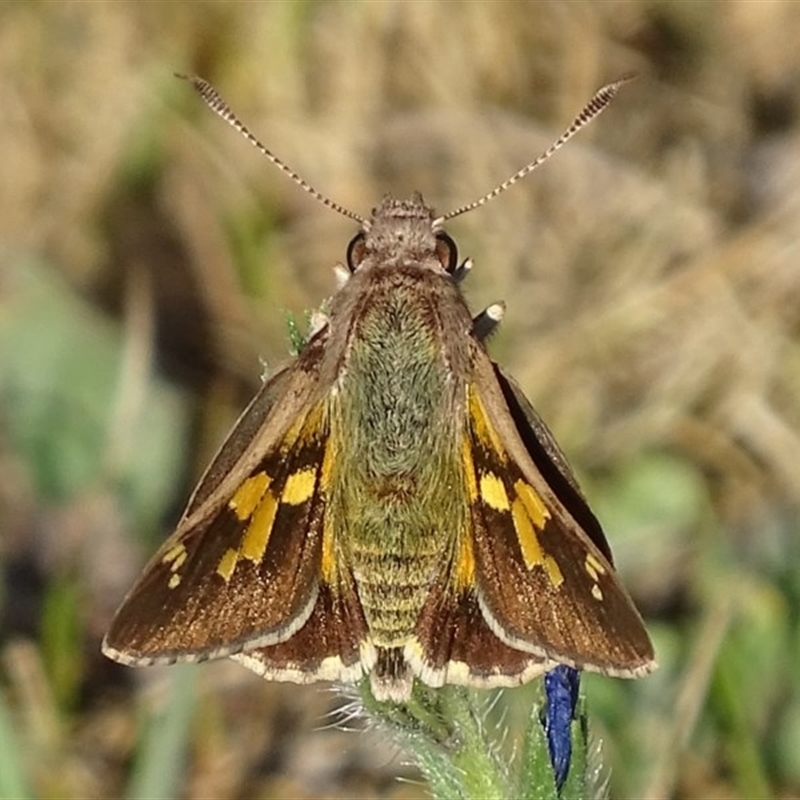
561 697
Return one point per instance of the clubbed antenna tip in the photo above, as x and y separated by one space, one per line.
214 101
593 108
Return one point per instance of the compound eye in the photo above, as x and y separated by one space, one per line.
356 251
446 252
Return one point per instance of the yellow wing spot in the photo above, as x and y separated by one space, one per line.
481 426
529 544
227 564
256 538
328 553
469 469
174 581
326 478
328 461
178 562
597 592
299 486
247 497
465 565
594 567
304 429
313 424
534 505
553 571
292 434
532 551
177 555
493 492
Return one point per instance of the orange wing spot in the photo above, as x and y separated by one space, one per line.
256 538
248 495
529 544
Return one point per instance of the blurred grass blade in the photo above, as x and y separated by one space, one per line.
160 765
12 778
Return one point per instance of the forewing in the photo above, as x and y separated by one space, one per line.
242 568
548 459
543 583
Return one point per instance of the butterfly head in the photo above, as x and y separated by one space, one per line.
400 231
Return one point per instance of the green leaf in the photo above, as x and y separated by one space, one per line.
159 769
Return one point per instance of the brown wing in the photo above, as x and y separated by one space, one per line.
243 566
330 646
454 644
549 460
543 584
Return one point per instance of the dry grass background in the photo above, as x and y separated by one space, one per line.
652 275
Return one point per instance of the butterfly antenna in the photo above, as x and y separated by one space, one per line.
592 109
214 101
